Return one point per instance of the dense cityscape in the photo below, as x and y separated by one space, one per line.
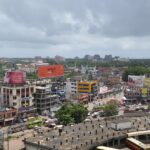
81 103
74 75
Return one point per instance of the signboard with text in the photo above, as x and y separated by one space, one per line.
50 71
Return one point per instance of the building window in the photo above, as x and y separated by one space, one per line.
13 114
18 92
14 104
7 90
10 91
32 89
14 97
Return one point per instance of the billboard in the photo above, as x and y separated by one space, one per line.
136 81
14 77
147 82
50 71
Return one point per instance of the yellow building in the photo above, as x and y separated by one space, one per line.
87 87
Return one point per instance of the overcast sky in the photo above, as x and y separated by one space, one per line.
74 28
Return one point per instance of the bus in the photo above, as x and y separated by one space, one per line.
136 145
105 148
133 134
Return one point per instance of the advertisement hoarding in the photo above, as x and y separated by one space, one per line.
14 77
136 81
50 71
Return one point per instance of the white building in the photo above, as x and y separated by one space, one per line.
71 88
17 96
29 68
87 69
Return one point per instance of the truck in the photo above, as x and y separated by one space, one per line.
121 125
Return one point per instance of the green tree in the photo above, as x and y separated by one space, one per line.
71 113
135 71
31 75
79 113
66 119
110 110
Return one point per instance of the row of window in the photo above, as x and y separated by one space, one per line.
7 115
73 83
83 89
83 85
132 94
18 91
46 105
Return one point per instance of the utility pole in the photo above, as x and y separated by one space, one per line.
7 133
7 139
1 140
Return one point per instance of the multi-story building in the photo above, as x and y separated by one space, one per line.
7 116
132 93
89 87
71 88
108 58
114 79
105 71
17 96
45 100
136 95
89 70
28 68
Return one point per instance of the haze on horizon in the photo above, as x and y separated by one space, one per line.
72 28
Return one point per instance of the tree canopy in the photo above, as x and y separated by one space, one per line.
135 71
71 113
110 110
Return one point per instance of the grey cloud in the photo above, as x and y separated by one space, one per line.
88 25
123 17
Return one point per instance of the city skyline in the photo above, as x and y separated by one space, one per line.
29 28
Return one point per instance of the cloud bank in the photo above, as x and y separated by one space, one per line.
74 28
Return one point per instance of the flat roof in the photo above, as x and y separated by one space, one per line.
120 121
